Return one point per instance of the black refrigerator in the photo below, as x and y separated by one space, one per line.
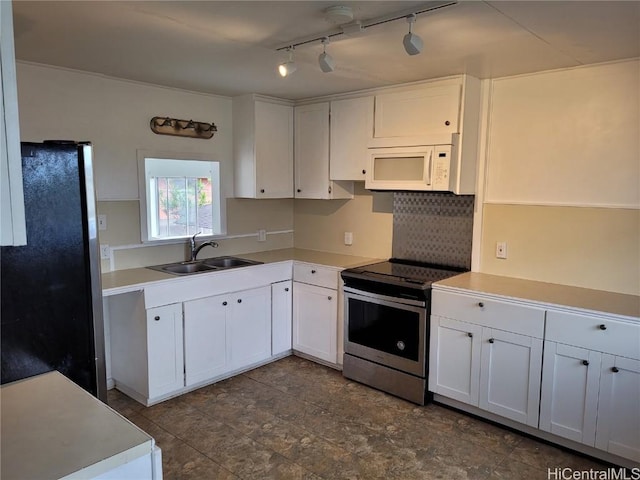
51 297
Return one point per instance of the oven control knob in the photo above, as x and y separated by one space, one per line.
400 345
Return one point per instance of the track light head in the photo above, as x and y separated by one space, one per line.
412 42
288 67
326 61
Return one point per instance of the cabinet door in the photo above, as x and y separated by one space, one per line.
510 374
569 399
618 427
281 314
425 110
165 349
274 150
205 338
12 221
315 320
249 327
454 359
351 130
311 148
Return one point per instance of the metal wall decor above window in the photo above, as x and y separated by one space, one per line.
182 128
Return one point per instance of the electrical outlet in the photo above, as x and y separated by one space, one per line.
501 250
348 238
102 222
262 235
105 253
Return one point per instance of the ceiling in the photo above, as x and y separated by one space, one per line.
229 47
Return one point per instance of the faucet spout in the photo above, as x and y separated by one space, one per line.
196 249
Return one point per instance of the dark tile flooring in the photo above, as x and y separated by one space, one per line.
294 419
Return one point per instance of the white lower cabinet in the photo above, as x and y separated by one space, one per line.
478 361
455 359
147 356
491 369
589 394
618 425
205 339
248 327
510 375
281 317
165 349
315 321
225 333
488 353
570 384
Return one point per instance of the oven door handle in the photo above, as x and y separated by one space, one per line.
386 298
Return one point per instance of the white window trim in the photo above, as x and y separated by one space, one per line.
142 194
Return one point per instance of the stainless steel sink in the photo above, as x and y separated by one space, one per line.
203 266
229 262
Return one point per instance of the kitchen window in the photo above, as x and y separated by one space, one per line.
179 198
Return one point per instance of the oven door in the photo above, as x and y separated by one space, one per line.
386 330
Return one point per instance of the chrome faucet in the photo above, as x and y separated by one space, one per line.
195 250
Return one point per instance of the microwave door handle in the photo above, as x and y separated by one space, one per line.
430 169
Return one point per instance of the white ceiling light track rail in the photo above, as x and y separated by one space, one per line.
340 14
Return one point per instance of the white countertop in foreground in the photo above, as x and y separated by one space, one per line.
53 429
548 293
121 281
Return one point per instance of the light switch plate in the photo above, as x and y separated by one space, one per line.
348 238
102 222
262 235
105 253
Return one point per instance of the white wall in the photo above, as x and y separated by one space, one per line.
114 115
563 177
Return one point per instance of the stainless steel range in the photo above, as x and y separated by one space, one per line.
386 333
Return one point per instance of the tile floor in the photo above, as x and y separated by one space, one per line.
294 419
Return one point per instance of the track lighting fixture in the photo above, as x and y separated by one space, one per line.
326 62
412 42
347 27
288 67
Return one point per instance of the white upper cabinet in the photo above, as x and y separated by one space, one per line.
438 113
12 226
430 109
263 147
351 130
312 155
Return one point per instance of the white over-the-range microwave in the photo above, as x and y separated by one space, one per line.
421 167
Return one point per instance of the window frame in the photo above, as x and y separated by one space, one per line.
143 195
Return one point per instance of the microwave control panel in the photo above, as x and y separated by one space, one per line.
441 168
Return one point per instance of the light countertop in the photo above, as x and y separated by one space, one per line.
52 428
121 281
547 293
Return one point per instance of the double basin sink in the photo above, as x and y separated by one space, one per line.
202 266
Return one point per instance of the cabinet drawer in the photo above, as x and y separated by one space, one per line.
595 333
489 313
315 275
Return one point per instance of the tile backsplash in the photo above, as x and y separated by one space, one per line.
433 227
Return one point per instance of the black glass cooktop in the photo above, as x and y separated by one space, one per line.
406 272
